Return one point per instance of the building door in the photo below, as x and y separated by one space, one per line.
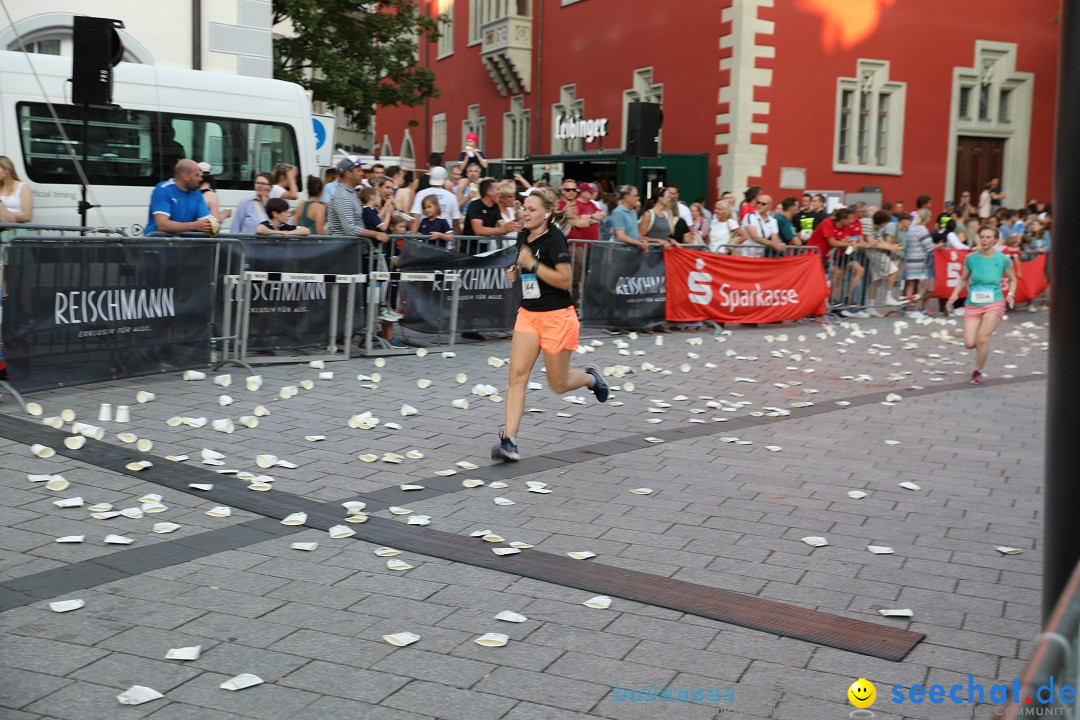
978 160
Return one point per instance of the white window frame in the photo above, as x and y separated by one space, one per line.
438 133
871 83
477 18
445 45
570 106
517 125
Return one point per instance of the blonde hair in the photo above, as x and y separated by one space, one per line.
13 177
922 216
559 218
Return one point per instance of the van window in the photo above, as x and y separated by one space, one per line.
140 148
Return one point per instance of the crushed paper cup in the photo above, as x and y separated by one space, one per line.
642 491
309 438
184 653
414 455
266 461
495 362
509 616
137 695
1006 550
58 483
503 501
163 528
395 564
410 486
419 520
54 422
407 410
898 613
368 457
600 602
341 531
354 506
134 513
815 541
67 415
153 507
893 398
126 437
139 465
466 465
492 640
206 487
260 411
880 549
493 538
71 539
144 445
244 680
225 400
260 487
219 511
175 421
118 540
62 606
92 431
195 422
445 473
208 454
506 551
472 482
123 414
907 485
582 555
401 639
386 552
223 380
34 409
224 425
360 517
253 382
305 546
194 375
395 510
856 494
376 377
498 485
144 396
42 451
296 518
286 464
461 403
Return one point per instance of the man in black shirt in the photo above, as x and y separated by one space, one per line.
806 221
484 217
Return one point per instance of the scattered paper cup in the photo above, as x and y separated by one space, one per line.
58 482
194 375
253 382
126 437
224 401
341 531
163 528
105 412
249 421
54 422
174 421
219 511
326 375
42 451
317 364
266 461
74 442
34 409
509 616
71 539
244 680
145 396
223 380
395 564
492 640
305 546
461 404
144 445
123 413
62 606
69 502
225 425
401 639
260 411
297 518
307 384
67 415
600 602
184 653
379 362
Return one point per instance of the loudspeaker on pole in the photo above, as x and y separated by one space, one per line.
643 121
97 50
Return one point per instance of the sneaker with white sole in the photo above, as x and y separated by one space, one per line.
599 387
507 449
871 312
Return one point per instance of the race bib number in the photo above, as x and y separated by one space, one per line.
530 286
981 297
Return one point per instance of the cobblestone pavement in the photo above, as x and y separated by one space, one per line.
722 514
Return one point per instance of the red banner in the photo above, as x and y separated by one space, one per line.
949 265
724 288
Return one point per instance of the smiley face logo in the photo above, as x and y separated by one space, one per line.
862 693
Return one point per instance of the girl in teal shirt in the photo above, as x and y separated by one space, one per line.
985 305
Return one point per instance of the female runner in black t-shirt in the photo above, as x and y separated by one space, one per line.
546 319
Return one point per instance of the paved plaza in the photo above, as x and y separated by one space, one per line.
749 442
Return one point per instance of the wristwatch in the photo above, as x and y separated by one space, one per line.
534 267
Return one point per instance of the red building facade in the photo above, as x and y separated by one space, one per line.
846 95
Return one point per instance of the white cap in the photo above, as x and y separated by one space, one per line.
437 175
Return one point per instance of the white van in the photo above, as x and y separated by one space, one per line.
240 125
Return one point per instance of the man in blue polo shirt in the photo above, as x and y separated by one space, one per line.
624 218
176 205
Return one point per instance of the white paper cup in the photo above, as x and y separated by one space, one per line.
42 451
175 421
123 414
93 431
74 442
249 421
307 384
224 401
144 396
225 425
223 380
266 461
105 413
145 445
328 375
34 409
461 404
253 382
54 422
317 364
194 375
67 415
260 411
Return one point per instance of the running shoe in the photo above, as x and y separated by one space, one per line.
976 378
600 386
395 343
871 312
507 449
389 316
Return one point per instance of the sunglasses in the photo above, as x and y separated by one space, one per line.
761 204
569 189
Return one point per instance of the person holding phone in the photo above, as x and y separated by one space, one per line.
546 320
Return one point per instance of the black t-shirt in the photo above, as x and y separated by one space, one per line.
283 227
489 216
428 226
808 221
550 249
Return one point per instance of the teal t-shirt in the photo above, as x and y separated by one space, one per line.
986 274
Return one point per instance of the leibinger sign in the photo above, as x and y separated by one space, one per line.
571 128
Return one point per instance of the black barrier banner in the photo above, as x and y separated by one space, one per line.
296 315
624 287
77 313
488 301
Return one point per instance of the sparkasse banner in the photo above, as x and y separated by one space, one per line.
724 288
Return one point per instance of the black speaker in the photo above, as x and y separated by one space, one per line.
97 49
643 121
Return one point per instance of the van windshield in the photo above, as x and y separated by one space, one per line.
140 148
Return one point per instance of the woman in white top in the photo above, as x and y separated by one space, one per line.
510 209
724 229
16 201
